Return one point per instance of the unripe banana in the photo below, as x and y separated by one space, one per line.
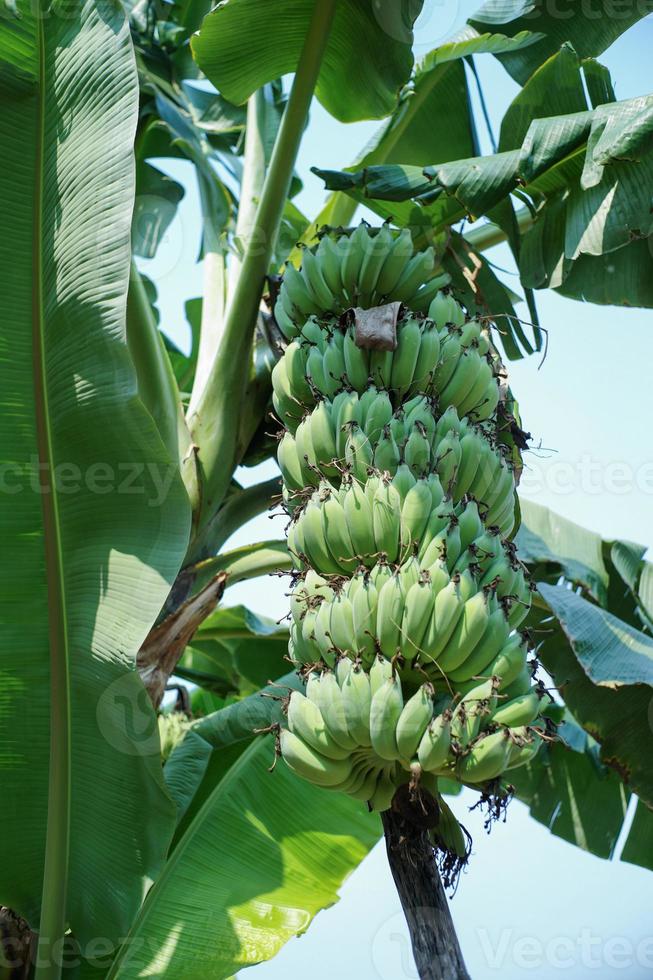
380 672
447 459
417 451
404 481
384 792
417 271
358 452
389 615
363 606
315 545
415 716
486 759
299 298
520 685
289 464
395 264
357 362
418 609
385 711
386 518
427 358
341 623
462 380
336 533
522 754
315 283
521 710
485 651
357 700
415 512
332 707
305 720
358 515
474 708
381 367
352 262
378 416
510 663
404 363
377 250
447 610
445 310
434 746
310 764
386 454
449 833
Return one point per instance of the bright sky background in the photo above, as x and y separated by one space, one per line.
530 905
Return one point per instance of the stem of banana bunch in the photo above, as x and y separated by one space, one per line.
432 934
214 423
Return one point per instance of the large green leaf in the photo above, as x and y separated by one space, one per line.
576 797
588 174
243 44
604 670
555 89
263 855
94 519
438 91
590 30
549 542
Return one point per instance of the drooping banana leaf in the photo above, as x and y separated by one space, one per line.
587 174
94 518
570 21
242 44
604 670
264 853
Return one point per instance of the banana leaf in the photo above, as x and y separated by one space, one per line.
94 518
574 22
604 670
264 853
242 44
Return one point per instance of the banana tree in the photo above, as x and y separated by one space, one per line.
141 846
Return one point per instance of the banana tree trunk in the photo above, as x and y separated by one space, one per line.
432 934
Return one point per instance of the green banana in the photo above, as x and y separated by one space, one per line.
418 609
486 759
389 615
435 744
413 720
406 355
309 763
385 711
521 710
356 700
305 720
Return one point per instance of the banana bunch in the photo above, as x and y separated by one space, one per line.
447 619
325 359
451 363
365 269
399 481
355 731
358 438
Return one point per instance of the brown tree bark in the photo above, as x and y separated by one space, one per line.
16 939
412 861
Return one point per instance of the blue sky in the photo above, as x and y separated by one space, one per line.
530 905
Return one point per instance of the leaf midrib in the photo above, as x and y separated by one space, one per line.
57 841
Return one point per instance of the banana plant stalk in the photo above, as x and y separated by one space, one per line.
432 934
213 422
